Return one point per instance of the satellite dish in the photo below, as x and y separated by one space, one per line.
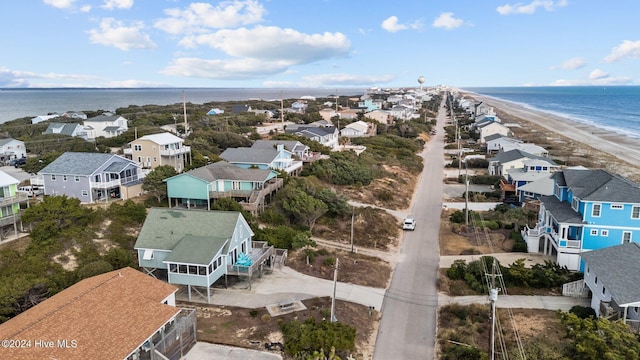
421 80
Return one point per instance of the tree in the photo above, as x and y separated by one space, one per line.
57 216
304 207
599 338
154 181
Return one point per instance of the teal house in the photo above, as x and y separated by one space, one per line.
196 248
199 188
276 158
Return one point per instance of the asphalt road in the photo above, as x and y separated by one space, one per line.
408 326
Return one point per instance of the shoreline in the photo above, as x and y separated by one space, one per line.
624 148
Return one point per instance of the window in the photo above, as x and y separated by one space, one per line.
193 270
64 177
603 290
155 159
595 210
173 268
604 232
139 159
635 212
85 193
77 179
53 178
594 232
595 280
182 269
210 268
202 270
137 147
626 236
617 207
148 254
574 204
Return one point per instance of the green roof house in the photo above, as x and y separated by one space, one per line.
198 247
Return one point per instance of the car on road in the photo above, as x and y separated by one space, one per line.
17 162
409 224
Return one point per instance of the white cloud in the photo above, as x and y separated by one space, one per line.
598 74
115 33
274 43
134 84
447 21
117 4
570 64
391 24
347 79
18 78
223 69
530 8
627 50
199 17
60 4
85 8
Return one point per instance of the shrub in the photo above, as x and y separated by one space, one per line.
265 318
329 261
457 217
457 270
583 312
489 224
253 313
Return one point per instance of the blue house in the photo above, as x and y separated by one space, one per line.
201 187
196 248
589 210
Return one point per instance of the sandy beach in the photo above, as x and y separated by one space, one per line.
606 149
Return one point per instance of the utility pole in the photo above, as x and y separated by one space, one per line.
352 217
466 194
493 297
333 299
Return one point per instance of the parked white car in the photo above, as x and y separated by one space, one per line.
31 191
409 224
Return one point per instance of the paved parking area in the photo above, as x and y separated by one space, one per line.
203 351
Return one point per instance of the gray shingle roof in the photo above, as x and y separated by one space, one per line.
493 136
516 154
164 228
67 128
103 118
561 210
290 145
222 170
305 130
618 268
6 141
600 185
80 163
249 155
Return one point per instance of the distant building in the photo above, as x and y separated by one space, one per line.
70 129
151 151
106 125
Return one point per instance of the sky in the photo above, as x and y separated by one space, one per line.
318 43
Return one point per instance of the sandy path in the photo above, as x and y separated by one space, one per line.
623 147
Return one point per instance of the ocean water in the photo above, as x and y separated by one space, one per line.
18 103
614 108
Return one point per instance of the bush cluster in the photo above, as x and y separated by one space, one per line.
304 338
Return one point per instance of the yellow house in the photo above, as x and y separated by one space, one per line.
155 150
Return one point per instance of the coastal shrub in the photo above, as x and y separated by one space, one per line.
329 261
583 312
457 270
489 224
271 217
519 245
457 217
484 179
302 339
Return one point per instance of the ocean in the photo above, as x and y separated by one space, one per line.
614 108
18 103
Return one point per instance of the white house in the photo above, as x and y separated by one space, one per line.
12 149
355 129
106 125
491 128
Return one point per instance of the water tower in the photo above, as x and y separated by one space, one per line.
421 81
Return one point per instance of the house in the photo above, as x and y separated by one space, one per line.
196 248
614 293
357 129
12 205
75 115
151 151
490 128
589 210
328 113
493 142
299 107
400 112
298 149
12 149
526 147
91 177
202 186
122 314
277 158
349 113
69 129
41 118
237 109
106 125
382 116
504 162
370 104
215 111
325 135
